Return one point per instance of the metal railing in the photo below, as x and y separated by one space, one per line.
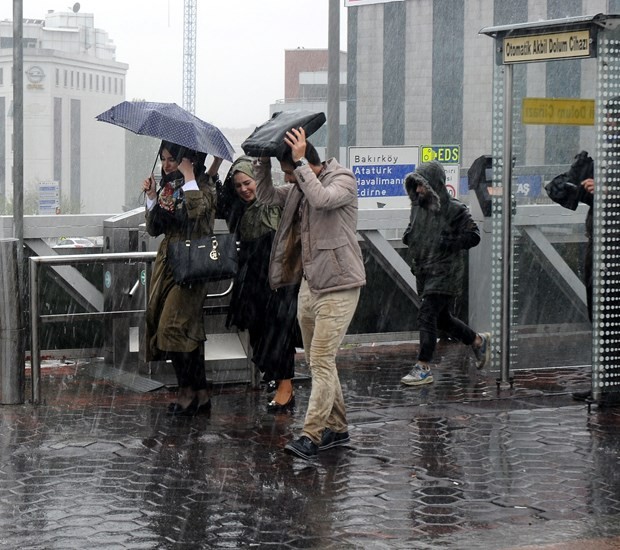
36 319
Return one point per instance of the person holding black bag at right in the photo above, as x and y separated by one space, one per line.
568 190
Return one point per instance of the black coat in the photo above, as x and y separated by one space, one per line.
437 234
270 316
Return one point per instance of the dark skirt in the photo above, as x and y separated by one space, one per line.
270 316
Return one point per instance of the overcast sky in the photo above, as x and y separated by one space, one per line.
239 53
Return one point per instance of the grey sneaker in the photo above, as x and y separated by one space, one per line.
419 375
331 439
483 353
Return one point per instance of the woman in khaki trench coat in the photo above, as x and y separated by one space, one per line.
174 316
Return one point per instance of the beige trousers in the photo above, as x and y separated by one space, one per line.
324 320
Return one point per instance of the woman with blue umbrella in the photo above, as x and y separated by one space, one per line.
185 201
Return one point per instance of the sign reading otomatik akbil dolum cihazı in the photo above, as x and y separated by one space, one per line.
544 47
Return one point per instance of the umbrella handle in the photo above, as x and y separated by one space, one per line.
155 163
152 175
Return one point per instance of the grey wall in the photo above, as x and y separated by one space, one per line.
57 139
448 49
394 27
2 146
76 152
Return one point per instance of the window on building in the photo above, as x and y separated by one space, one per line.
90 78
72 79
109 84
103 83
65 78
83 81
57 77
1 77
97 83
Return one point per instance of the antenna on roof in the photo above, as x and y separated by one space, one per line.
76 7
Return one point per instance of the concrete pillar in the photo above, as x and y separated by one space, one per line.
12 328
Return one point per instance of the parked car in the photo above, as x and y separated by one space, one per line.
74 242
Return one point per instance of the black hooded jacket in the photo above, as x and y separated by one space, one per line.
437 233
566 189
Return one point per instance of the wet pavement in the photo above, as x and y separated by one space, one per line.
455 464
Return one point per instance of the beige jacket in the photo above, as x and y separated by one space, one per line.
331 258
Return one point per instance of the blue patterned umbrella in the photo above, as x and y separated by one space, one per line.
169 122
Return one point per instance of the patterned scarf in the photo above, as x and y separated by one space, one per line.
171 195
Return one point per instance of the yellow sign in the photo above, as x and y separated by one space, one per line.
443 153
545 47
573 112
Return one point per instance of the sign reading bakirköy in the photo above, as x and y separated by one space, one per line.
380 173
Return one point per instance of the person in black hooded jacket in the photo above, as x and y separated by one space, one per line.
569 189
440 228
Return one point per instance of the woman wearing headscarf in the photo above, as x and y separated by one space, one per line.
270 316
185 202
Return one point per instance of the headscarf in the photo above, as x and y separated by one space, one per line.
171 184
243 164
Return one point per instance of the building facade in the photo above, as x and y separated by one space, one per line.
419 72
70 76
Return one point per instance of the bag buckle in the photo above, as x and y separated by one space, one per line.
214 254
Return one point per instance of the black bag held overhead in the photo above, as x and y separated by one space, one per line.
212 258
566 189
267 140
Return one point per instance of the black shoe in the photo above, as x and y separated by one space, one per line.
583 395
205 408
191 410
275 407
303 447
331 439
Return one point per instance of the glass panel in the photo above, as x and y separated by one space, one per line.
550 324
553 120
606 227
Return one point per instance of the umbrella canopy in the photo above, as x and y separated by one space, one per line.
168 121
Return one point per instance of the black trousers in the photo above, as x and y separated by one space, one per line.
587 275
436 313
189 368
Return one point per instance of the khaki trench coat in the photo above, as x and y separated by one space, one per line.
174 315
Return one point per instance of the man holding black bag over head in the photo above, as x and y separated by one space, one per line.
316 245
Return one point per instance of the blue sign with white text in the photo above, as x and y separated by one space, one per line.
381 180
528 186
525 186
